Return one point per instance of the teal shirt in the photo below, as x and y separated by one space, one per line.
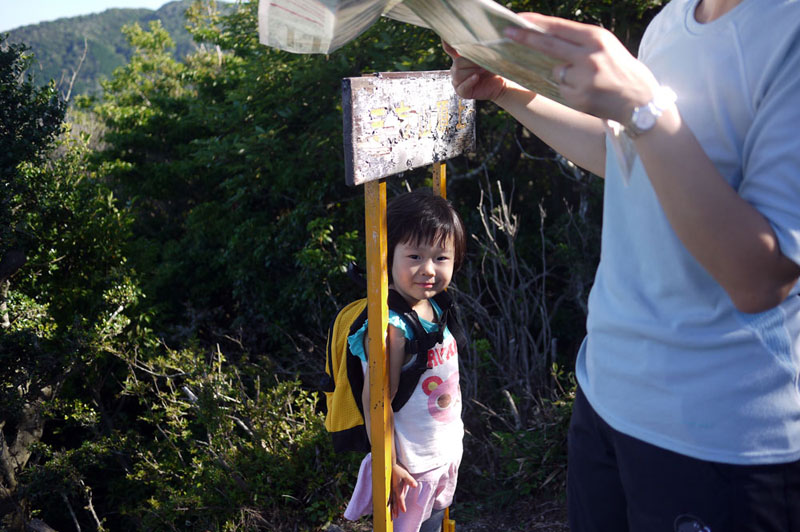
356 340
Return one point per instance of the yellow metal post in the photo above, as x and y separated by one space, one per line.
440 189
448 525
378 315
440 179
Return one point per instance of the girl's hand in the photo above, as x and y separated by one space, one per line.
598 74
471 81
401 482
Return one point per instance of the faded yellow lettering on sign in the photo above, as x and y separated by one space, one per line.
398 121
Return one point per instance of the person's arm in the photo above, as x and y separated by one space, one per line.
395 346
731 239
577 136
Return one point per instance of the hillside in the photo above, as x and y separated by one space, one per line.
58 45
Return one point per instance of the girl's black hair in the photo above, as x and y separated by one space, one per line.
420 217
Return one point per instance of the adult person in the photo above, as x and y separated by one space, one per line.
687 415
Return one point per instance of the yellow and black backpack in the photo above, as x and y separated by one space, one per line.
344 380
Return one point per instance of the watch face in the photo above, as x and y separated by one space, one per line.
644 118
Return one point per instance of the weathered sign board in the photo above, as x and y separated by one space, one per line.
396 121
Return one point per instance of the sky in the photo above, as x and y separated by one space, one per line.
16 13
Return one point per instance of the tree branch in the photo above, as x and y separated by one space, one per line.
71 511
75 72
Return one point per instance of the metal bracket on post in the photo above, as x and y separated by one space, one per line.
395 122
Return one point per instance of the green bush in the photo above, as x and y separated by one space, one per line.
507 459
216 449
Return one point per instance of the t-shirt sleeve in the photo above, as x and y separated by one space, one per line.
356 340
771 153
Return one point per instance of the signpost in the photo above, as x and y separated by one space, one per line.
402 120
395 122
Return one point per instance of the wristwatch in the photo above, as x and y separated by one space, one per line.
645 117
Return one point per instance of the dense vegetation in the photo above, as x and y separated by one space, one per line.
170 258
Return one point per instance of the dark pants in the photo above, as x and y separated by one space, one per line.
616 483
434 522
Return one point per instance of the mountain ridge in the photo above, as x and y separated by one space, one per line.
58 45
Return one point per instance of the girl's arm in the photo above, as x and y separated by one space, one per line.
395 346
577 136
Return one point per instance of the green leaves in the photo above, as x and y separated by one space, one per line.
229 157
221 441
64 305
30 118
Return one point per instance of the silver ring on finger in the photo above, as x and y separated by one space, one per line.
562 74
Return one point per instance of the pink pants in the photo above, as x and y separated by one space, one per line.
435 489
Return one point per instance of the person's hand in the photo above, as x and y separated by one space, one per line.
597 74
401 482
471 81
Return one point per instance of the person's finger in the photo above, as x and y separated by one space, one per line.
564 29
559 38
560 73
464 88
397 502
462 65
406 480
402 505
408 483
449 50
393 506
571 94
546 43
465 65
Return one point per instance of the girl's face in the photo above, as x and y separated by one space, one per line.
421 271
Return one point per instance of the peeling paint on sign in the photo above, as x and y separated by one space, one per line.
397 121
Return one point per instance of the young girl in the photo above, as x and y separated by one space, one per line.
426 244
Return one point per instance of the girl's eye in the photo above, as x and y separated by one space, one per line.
443 259
413 257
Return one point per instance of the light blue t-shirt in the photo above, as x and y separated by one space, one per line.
667 358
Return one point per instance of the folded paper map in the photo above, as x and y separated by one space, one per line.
473 27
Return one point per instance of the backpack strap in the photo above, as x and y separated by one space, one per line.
354 371
417 347
449 318
327 383
357 274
